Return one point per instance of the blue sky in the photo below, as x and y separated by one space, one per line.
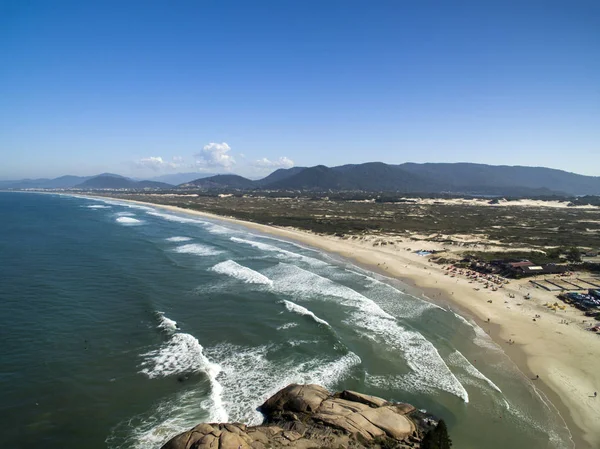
145 88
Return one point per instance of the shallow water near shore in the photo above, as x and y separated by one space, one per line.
123 325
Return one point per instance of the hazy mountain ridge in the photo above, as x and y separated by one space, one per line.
459 178
101 181
433 178
110 181
222 182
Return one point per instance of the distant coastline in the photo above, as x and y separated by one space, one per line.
568 373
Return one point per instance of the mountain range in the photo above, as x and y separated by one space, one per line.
453 178
102 181
457 178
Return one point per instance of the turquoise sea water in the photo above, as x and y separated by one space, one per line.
122 325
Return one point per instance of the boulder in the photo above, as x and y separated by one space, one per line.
308 416
229 440
387 419
296 398
372 401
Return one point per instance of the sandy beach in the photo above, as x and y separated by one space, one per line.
564 356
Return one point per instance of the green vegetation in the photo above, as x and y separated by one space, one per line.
353 214
537 257
573 255
437 438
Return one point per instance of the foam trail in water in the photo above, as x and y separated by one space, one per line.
282 252
481 339
178 239
197 249
128 221
459 360
249 377
98 206
428 368
295 308
401 304
429 371
287 326
240 272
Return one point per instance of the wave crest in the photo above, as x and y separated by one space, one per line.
240 272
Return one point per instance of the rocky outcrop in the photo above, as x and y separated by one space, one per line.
309 416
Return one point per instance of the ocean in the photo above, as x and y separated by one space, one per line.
122 325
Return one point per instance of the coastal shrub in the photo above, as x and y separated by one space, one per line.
437 438
573 255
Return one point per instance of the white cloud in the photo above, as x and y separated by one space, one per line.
282 162
157 163
215 155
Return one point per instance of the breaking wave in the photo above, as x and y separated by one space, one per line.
166 324
128 221
249 377
178 239
175 218
240 272
295 308
197 249
281 252
429 371
183 354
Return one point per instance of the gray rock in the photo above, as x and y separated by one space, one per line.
308 416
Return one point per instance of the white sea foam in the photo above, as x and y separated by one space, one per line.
178 239
286 326
125 214
197 249
287 242
240 272
128 221
295 308
218 229
428 368
175 218
294 343
483 340
170 417
125 204
283 253
166 323
401 304
464 320
249 377
183 353
98 206
304 284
